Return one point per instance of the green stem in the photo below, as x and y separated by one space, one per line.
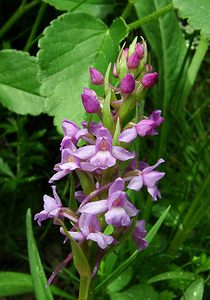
86 289
150 17
16 16
127 9
36 25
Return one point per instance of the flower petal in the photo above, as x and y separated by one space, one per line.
117 216
118 185
43 215
49 203
151 178
103 160
136 183
150 168
94 208
122 154
59 175
128 135
154 192
101 239
85 152
130 209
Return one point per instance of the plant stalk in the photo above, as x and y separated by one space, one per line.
150 17
86 288
35 26
23 8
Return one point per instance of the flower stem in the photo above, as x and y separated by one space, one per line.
35 26
86 288
23 8
127 9
150 17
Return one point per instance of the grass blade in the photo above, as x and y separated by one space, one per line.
36 268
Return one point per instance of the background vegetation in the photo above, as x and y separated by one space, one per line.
38 91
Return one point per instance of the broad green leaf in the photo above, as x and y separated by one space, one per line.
98 8
19 85
197 13
71 44
36 268
167 41
145 292
172 275
120 282
14 283
195 291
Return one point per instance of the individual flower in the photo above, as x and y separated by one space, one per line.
70 162
139 234
72 133
90 101
144 127
149 79
118 209
103 155
95 76
149 178
127 84
89 229
52 207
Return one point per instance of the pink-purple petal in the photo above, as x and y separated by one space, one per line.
122 154
103 160
128 135
136 183
150 168
117 216
94 208
117 185
152 177
85 152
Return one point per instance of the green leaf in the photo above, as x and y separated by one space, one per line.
19 85
120 282
5 169
13 283
36 268
195 291
197 12
145 292
71 44
108 121
98 8
153 231
172 275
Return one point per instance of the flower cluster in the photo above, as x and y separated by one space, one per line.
94 154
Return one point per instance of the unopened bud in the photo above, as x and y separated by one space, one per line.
95 76
127 84
133 61
90 101
149 79
139 50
